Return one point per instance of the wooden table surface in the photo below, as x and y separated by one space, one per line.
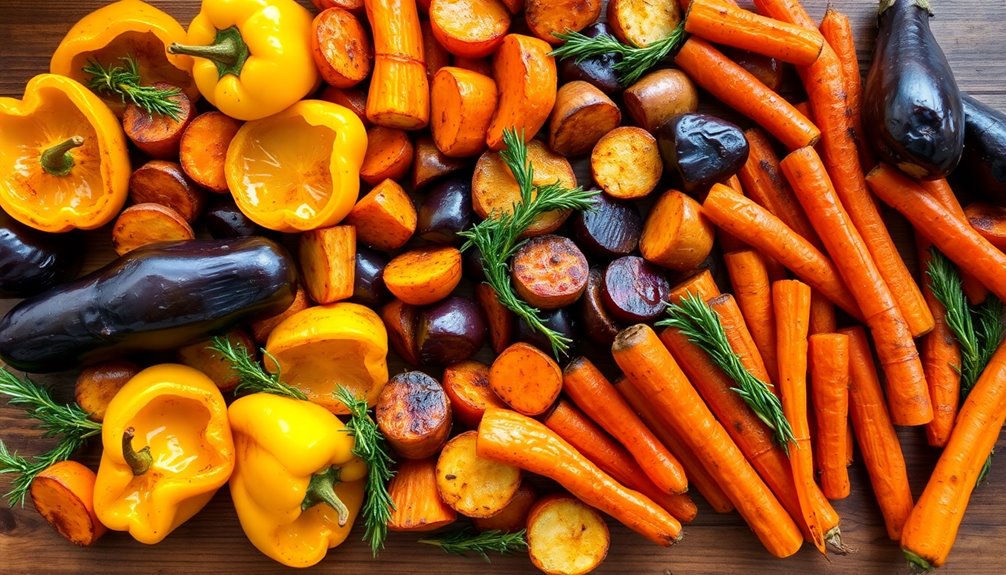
971 35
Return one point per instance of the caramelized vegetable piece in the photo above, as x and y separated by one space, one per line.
634 290
262 328
565 536
430 164
641 22
199 356
494 189
676 235
581 116
467 385
354 99
157 135
526 81
203 149
389 155
469 28
399 94
525 379
659 96
341 48
354 6
434 53
327 263
989 221
513 517
97 384
384 218
414 414
549 272
702 150
462 106
400 319
474 486
368 278
449 331
625 163
423 276
597 70
161 182
417 505
558 320
599 326
545 18
148 223
609 230
445 210
63 494
501 320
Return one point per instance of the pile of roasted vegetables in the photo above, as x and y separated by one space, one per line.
280 222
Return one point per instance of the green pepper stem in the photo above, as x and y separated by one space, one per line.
321 489
139 461
228 51
57 161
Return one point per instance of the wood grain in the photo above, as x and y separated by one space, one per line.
969 31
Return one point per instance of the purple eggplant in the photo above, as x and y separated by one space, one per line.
983 165
32 261
701 150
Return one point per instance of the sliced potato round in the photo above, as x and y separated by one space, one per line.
473 485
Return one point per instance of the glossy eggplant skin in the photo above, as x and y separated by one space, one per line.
983 164
155 298
32 261
597 70
912 112
701 150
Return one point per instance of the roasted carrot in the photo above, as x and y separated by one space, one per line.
941 360
698 477
385 218
769 235
822 314
516 439
837 31
526 80
739 336
723 22
417 503
907 395
594 394
63 494
752 290
399 94
828 357
525 378
424 275
932 527
875 435
940 189
701 284
739 89
954 237
590 440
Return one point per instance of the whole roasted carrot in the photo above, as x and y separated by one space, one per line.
594 394
837 31
739 336
768 234
516 439
959 241
723 22
932 527
875 435
828 357
752 290
650 367
822 314
701 284
586 437
739 89
908 396
941 190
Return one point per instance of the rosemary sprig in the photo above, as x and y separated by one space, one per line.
372 448
125 82
69 422
252 377
498 236
635 61
466 541
700 324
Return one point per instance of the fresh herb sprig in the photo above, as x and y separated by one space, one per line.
69 422
499 236
635 61
700 324
252 378
125 82
466 541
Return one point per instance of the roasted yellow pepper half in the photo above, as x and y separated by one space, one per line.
297 487
167 448
300 169
63 157
252 57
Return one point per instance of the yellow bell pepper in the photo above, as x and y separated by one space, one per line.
325 346
252 57
167 448
299 169
297 487
63 157
127 28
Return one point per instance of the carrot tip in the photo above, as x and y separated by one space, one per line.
834 540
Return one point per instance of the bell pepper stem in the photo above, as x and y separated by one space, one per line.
321 489
228 51
57 161
138 461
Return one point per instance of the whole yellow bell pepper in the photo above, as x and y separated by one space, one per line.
297 487
252 57
127 28
178 415
299 169
63 157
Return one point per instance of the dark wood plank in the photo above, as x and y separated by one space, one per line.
969 31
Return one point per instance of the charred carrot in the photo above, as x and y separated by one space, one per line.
828 357
752 290
875 435
941 190
650 367
769 235
837 31
739 89
822 314
959 241
908 396
516 439
723 22
594 394
583 434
